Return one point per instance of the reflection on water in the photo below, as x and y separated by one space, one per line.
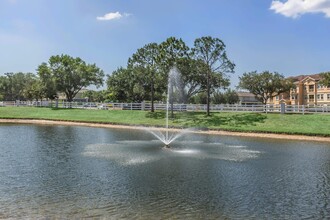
80 172
136 152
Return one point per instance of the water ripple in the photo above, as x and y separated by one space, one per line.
62 172
145 151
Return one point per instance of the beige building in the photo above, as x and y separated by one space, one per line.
308 91
247 98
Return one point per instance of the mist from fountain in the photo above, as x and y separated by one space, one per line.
174 87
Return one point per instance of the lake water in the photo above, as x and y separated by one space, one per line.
77 172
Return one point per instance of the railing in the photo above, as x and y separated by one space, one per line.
26 103
300 109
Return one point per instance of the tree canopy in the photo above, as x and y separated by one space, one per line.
145 77
18 86
265 85
212 51
69 75
203 69
325 79
145 61
126 85
227 97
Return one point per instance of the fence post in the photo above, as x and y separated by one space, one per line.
282 108
303 109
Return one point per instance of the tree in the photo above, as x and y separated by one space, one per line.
265 85
4 88
95 96
128 85
192 76
170 52
119 85
325 79
146 58
212 51
231 96
199 98
13 85
48 81
227 97
69 75
34 88
89 94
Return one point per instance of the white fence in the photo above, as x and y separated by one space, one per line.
302 109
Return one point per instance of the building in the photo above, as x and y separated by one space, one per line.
247 98
307 91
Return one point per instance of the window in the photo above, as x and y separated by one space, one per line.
292 97
320 97
277 98
311 88
319 86
328 96
311 98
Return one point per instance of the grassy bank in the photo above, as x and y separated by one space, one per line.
311 124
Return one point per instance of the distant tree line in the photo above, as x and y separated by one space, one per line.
62 74
204 72
204 69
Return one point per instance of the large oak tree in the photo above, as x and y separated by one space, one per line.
69 75
265 85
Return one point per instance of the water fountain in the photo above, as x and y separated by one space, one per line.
174 87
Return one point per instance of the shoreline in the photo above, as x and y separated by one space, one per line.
213 132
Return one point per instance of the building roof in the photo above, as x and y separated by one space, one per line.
245 94
303 77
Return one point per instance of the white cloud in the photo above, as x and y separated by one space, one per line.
112 16
296 8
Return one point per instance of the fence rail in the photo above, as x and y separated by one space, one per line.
300 109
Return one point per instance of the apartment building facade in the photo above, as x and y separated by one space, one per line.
307 91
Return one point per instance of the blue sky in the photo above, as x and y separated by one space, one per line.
291 37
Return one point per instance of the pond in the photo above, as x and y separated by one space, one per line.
82 172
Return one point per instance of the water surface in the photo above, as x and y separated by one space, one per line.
75 172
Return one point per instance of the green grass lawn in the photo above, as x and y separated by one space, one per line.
308 124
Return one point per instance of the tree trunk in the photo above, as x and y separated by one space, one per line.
152 92
69 97
208 95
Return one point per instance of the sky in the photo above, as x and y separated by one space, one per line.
291 37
